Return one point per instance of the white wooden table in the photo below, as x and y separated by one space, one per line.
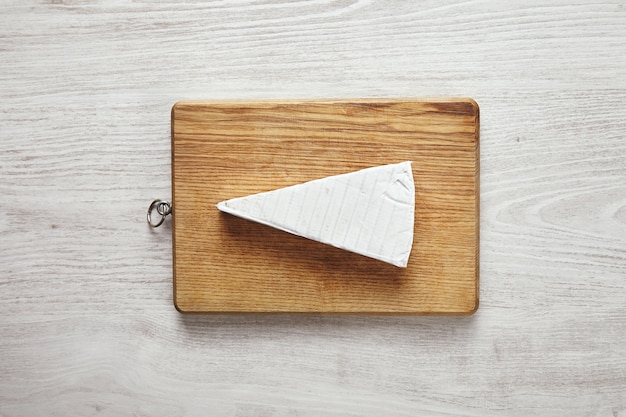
87 324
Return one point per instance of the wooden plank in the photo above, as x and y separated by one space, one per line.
228 149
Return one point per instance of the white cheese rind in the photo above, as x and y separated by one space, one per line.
370 212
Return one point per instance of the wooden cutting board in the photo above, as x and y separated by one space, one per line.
226 149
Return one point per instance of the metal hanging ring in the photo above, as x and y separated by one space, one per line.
163 209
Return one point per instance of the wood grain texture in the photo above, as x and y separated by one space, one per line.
86 318
229 149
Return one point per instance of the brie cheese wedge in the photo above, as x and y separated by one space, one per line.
370 212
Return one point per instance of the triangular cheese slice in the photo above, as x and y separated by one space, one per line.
370 212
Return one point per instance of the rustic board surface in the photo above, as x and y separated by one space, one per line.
87 324
222 150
